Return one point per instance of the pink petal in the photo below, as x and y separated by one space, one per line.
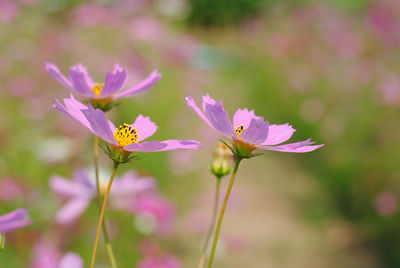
257 132
297 147
67 187
145 127
190 101
142 86
217 116
159 146
243 117
99 124
130 183
73 108
114 82
81 81
72 210
278 134
55 72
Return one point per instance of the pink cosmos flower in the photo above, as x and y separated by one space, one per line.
80 82
81 191
248 131
13 220
127 138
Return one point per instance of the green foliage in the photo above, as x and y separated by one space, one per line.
211 12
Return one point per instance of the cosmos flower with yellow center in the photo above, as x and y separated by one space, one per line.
127 137
101 95
248 131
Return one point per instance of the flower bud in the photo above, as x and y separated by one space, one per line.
222 160
2 240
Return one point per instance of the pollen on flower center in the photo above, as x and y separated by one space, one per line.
126 135
239 130
98 87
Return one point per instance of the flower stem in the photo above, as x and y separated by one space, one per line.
221 215
105 232
102 212
212 225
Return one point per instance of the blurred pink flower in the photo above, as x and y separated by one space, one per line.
21 86
156 211
160 262
10 189
182 162
81 190
47 255
390 90
146 28
13 220
386 203
91 14
383 20
341 38
9 11
155 257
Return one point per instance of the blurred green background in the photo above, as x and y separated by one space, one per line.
330 68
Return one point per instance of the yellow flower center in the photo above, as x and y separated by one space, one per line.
126 135
98 87
239 130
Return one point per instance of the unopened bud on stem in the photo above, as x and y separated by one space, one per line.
222 160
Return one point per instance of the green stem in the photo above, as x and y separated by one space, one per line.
212 225
102 212
105 232
221 215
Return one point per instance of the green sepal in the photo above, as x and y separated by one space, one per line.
242 152
119 155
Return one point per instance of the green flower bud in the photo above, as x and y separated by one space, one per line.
222 160
2 240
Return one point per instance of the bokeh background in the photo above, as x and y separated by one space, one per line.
330 68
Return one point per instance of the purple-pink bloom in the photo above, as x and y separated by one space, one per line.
80 81
81 190
248 131
129 138
13 220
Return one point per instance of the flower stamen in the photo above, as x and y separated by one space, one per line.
126 135
97 88
239 130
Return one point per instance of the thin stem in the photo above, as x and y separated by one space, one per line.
105 232
212 225
102 212
221 215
